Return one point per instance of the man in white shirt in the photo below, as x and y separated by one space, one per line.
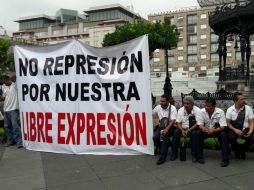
185 123
162 133
240 121
212 123
11 112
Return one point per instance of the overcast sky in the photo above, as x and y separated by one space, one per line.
11 10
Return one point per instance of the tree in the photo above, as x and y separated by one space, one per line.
6 56
160 35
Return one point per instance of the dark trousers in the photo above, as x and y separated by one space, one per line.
232 137
162 145
198 139
176 139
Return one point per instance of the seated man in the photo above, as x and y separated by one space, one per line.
185 123
162 132
240 124
212 123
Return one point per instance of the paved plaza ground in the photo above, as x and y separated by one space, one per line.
22 169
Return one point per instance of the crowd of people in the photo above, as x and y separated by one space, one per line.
198 124
189 121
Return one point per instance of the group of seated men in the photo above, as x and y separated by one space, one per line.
198 124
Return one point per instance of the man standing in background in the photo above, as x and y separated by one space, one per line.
11 112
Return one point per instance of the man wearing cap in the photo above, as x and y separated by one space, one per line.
11 112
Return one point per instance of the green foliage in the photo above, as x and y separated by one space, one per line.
6 57
160 35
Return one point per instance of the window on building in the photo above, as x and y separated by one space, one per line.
171 60
228 44
238 55
203 16
57 32
172 20
180 29
192 29
180 18
203 26
192 49
203 68
203 56
40 34
72 30
214 47
180 48
192 39
203 36
214 57
203 46
192 19
180 58
192 58
180 38
156 59
171 52
96 33
214 38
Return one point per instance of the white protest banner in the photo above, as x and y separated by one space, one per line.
79 99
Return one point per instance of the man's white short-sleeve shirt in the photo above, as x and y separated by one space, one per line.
159 112
183 116
11 97
218 116
232 114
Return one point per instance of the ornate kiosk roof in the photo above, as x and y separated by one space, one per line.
205 3
231 17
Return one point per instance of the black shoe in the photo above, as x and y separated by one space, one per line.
156 151
224 163
243 155
11 143
160 161
172 158
201 160
19 146
194 160
237 155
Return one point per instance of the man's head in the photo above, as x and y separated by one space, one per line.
164 101
188 103
6 80
239 99
210 104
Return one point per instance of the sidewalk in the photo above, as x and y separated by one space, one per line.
22 169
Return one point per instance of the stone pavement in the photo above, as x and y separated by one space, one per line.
22 169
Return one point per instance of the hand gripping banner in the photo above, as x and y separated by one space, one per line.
79 99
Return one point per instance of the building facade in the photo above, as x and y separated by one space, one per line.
196 52
89 27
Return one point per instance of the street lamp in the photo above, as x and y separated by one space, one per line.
167 86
